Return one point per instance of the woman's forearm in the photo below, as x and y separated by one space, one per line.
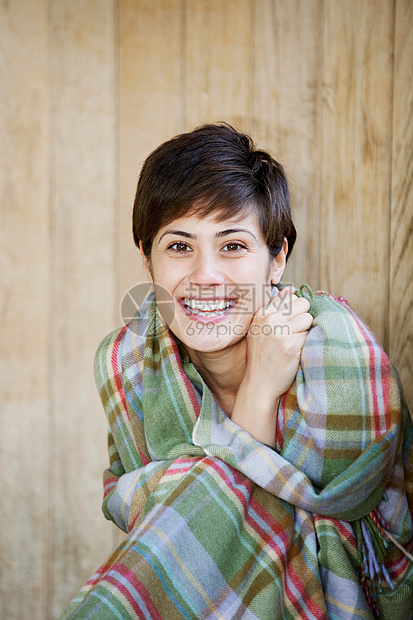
255 410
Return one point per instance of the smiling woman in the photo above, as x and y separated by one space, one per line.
219 278
258 436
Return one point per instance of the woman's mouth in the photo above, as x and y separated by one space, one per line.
206 308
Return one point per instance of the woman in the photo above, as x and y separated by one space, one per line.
259 442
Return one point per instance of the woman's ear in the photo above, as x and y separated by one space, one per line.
278 263
146 262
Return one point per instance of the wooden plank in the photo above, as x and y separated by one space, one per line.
356 147
401 251
24 309
83 204
150 105
218 62
286 114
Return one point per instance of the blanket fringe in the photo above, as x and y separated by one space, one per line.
373 539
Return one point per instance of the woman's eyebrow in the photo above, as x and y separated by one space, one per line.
222 233
231 231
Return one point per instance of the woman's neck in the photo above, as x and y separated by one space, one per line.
222 371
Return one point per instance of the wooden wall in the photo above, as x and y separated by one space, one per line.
88 88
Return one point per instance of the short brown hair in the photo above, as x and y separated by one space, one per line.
213 168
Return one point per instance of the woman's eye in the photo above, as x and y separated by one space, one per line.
179 246
234 247
183 248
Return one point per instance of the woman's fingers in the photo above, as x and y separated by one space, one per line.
287 303
300 323
275 339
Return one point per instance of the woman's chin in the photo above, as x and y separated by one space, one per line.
207 336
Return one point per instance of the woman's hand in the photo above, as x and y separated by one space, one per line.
275 339
274 342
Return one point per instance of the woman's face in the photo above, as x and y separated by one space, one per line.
217 273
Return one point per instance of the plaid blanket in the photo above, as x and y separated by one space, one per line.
221 526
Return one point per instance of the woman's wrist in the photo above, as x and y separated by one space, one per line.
256 412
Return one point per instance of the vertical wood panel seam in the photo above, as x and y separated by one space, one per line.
50 507
390 188
182 77
116 181
251 66
116 157
320 139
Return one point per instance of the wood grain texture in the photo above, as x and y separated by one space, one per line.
24 310
401 249
150 105
356 153
83 168
218 84
87 91
286 114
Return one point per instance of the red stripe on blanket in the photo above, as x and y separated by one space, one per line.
138 586
108 485
384 364
280 422
190 390
305 601
117 370
399 566
118 380
344 528
185 464
277 540
105 574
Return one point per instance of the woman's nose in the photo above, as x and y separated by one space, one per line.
206 270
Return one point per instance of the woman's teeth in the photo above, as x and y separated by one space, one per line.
207 308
